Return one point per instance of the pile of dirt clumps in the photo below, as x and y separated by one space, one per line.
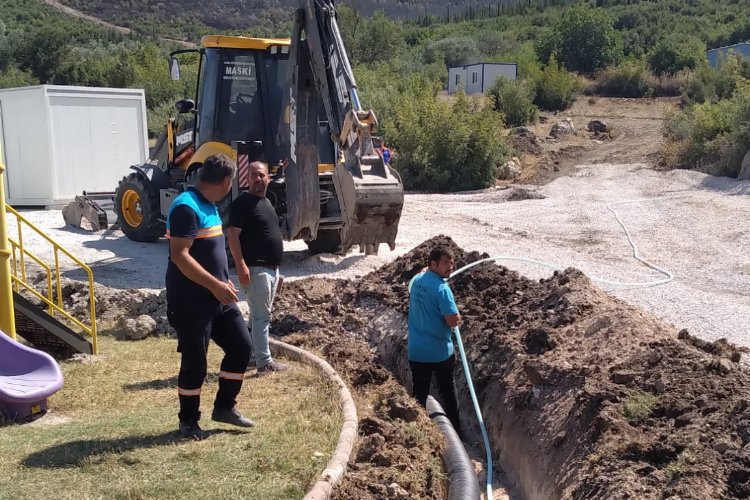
620 406
113 306
398 451
524 141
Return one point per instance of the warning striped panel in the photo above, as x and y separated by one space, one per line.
243 171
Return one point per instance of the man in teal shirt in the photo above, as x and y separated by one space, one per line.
432 314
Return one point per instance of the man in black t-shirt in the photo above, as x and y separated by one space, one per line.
201 300
257 248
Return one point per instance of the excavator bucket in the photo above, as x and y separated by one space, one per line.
373 199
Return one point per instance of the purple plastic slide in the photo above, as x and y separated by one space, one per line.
27 378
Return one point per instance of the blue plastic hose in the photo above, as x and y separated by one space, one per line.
485 438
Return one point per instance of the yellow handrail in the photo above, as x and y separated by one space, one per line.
91 329
38 261
7 314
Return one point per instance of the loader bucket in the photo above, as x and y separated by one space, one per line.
373 199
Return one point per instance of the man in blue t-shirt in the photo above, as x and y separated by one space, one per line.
432 314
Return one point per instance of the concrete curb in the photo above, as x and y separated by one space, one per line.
336 467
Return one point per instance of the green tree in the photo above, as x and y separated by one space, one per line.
41 52
14 77
514 100
675 54
452 51
555 88
377 39
6 50
584 40
444 146
349 20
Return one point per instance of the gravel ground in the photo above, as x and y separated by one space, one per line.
698 230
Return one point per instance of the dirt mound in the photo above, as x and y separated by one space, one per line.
525 143
620 405
397 442
399 448
111 304
520 194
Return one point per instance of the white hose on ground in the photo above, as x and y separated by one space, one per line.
456 331
636 255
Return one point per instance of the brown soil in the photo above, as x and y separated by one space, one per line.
621 407
397 442
635 136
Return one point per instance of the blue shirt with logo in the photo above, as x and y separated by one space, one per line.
430 300
192 216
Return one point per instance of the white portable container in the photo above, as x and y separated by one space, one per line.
480 77
58 141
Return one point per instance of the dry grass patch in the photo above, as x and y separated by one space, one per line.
111 433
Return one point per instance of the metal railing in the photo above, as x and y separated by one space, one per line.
54 303
7 317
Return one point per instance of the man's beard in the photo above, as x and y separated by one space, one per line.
258 189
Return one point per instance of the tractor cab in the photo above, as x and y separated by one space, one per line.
238 99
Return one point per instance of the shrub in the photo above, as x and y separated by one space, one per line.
714 84
626 80
444 146
14 77
554 87
669 85
514 100
712 137
638 407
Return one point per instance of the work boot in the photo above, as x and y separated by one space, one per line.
231 416
191 430
273 366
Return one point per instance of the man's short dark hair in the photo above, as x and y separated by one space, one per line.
216 169
440 251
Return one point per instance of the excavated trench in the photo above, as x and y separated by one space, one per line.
583 396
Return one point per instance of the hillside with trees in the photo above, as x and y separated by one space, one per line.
629 48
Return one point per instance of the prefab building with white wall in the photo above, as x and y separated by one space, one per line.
479 78
58 141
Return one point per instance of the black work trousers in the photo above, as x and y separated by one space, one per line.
421 376
228 329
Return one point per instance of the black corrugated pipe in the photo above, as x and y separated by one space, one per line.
462 481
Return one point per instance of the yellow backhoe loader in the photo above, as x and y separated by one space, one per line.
292 103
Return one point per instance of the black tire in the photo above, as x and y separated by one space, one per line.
326 241
140 220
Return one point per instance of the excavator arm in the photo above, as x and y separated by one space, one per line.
369 193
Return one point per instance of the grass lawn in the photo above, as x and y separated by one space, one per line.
111 433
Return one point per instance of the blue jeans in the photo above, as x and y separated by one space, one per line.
260 294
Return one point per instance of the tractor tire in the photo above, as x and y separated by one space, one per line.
326 241
138 210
